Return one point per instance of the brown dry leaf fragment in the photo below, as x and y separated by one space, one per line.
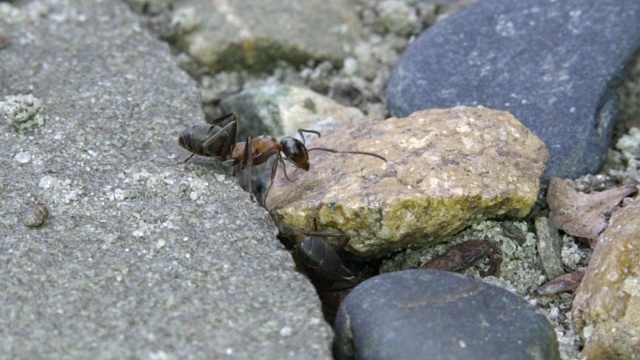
580 214
4 41
563 283
463 255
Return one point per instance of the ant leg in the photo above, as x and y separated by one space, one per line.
262 158
247 162
185 160
350 152
232 129
284 168
222 118
302 131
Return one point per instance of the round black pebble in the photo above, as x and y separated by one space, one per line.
430 314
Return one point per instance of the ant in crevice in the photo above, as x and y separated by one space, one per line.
219 140
325 265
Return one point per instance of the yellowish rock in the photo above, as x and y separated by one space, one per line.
606 308
446 169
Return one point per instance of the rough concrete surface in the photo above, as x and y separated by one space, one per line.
138 258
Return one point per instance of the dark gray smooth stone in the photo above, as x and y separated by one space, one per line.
431 314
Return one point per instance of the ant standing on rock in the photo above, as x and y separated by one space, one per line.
220 141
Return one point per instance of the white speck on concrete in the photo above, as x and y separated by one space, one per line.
22 157
48 182
160 243
286 331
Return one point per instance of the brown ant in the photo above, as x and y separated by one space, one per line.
220 141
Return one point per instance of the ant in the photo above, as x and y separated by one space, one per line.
220 141
323 264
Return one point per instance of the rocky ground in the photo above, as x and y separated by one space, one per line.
136 248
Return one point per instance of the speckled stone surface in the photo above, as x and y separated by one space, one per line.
429 314
606 309
447 169
282 110
555 65
256 34
139 258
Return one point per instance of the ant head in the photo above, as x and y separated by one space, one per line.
295 151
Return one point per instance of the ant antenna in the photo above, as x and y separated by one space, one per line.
302 131
350 152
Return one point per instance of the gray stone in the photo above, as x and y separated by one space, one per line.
418 314
255 34
282 110
398 17
549 247
139 258
554 65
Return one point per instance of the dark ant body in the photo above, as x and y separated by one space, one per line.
321 262
220 141
211 140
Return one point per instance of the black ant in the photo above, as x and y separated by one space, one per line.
324 266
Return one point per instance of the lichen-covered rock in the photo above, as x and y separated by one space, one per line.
22 112
446 169
606 309
283 109
256 34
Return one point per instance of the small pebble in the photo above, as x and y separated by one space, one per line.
286 331
48 182
22 157
36 215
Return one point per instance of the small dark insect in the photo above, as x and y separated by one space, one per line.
326 270
211 140
463 255
321 262
36 215
220 141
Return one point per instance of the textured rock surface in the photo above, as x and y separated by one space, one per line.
139 258
580 214
420 314
606 308
521 271
549 247
255 34
447 169
282 110
552 64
